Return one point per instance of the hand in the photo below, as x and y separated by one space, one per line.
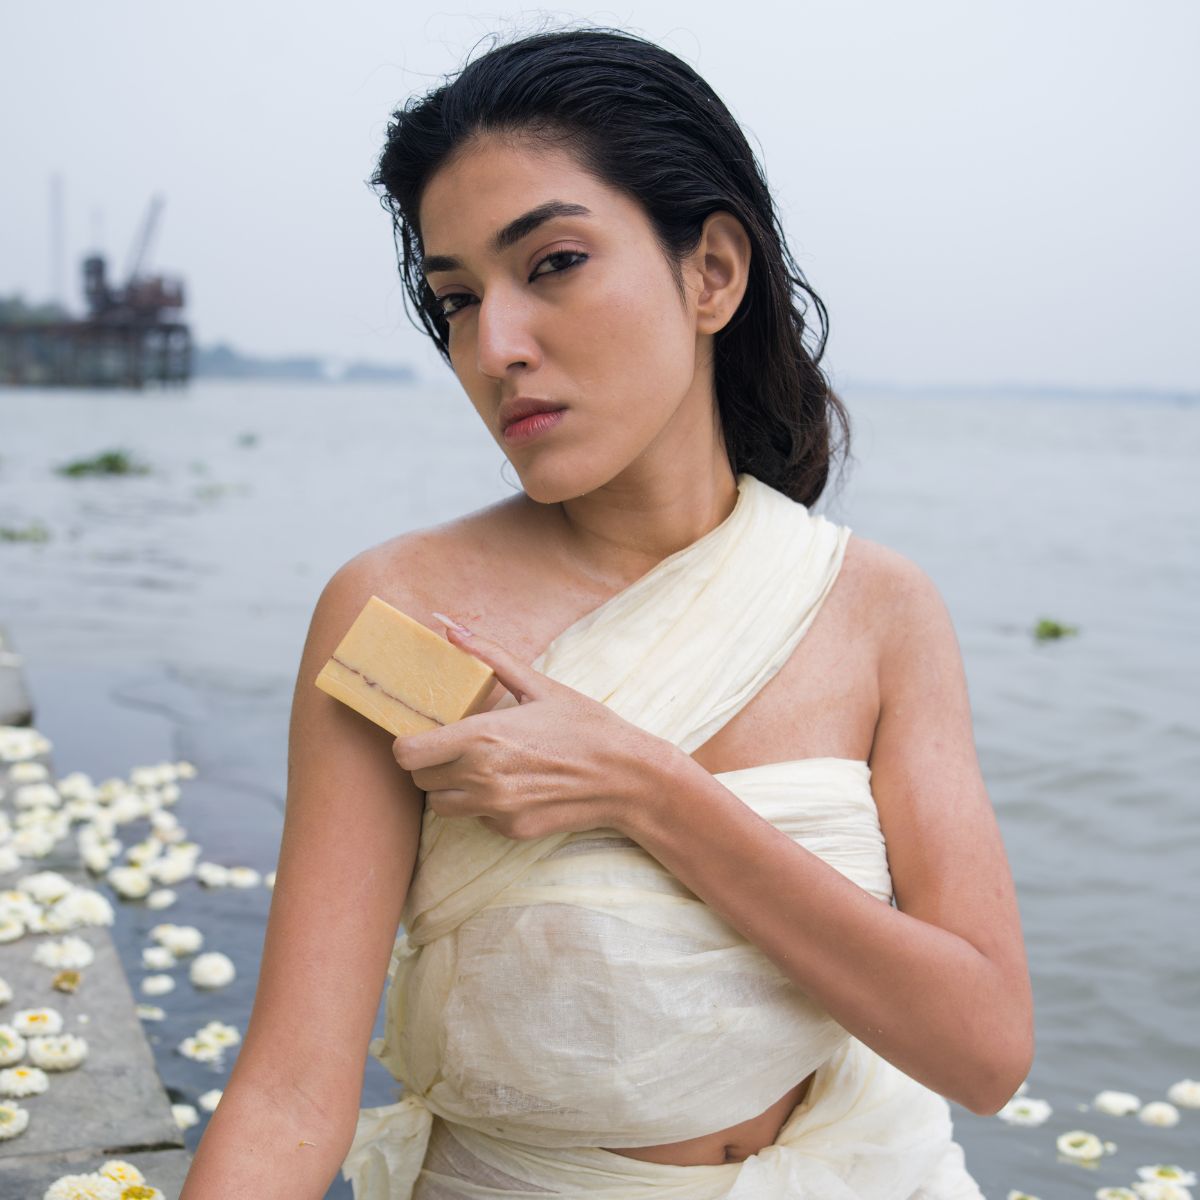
557 762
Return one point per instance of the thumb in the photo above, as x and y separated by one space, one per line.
518 677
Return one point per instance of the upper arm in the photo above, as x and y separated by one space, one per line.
350 835
944 846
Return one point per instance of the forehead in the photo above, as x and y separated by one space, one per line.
493 179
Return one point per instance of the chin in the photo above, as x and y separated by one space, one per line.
548 483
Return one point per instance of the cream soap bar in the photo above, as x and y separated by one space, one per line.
403 676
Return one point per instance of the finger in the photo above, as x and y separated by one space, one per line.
518 677
433 748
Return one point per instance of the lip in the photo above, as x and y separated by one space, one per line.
534 425
524 406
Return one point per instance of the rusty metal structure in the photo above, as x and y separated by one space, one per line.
133 333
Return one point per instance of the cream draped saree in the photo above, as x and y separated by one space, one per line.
553 997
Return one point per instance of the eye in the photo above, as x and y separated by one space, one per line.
562 259
447 306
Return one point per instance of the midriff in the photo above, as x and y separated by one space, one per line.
734 1144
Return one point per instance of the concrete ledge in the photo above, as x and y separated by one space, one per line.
15 708
112 1106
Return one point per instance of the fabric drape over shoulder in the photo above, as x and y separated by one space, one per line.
555 997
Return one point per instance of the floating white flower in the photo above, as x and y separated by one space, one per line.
143 852
6 992
37 1020
212 874
10 860
173 867
160 898
84 906
95 858
45 886
1159 1112
209 1100
1161 1189
185 1115
185 770
200 1050
122 1172
28 772
157 985
69 952
12 1046
11 927
179 939
92 1186
1116 1193
212 970
60 1052
1116 1104
244 877
1015 1195
269 881
169 793
1172 1174
219 1032
1025 1111
1185 1093
23 1081
130 883
33 795
157 958
13 1119
1080 1146
150 1012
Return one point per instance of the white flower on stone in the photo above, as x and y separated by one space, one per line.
212 874
157 985
33 795
1159 1112
45 886
77 786
244 877
60 1052
160 898
122 1172
32 1021
150 1012
10 860
13 1119
28 772
179 939
212 970
1161 1189
34 842
169 793
157 958
1080 1146
1116 1104
1116 1193
209 1100
130 883
21 905
11 927
19 742
23 1081
69 952
12 1046
1025 1111
84 906
6 993
185 1115
92 1186
1172 1174
1185 1093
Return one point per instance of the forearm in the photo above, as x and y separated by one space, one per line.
922 997
257 1149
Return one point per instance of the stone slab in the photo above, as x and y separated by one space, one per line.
27 1176
15 705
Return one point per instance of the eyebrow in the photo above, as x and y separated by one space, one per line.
512 233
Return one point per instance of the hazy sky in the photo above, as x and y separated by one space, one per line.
980 191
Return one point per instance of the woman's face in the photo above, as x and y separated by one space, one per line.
555 289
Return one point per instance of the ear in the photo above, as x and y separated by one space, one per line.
722 259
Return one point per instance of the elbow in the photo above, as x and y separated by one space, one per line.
1000 1075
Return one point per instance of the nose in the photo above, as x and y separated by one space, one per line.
504 336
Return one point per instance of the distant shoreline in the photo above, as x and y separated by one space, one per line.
222 361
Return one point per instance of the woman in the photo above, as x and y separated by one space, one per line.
712 901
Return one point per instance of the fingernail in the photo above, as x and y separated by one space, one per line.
445 620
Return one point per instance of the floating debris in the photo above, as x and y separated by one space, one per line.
1047 630
107 462
34 532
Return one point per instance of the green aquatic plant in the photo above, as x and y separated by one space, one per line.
108 462
247 439
1047 630
35 532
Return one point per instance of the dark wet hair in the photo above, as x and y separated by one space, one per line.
643 122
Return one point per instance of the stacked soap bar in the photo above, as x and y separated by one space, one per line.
403 676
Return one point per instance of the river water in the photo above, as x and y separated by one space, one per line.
165 616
